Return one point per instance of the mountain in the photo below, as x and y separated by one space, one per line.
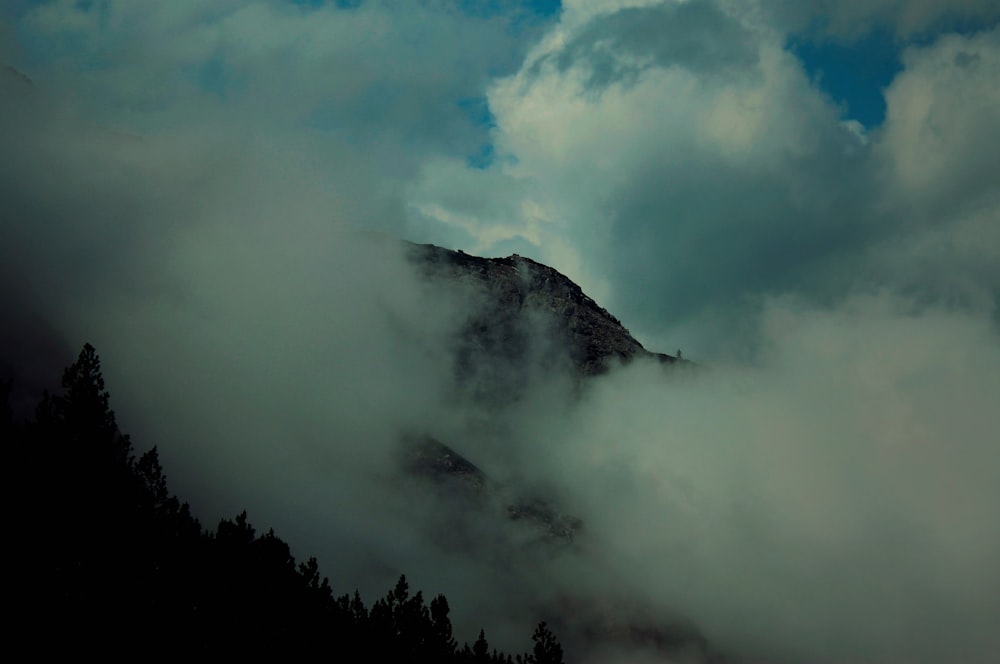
526 320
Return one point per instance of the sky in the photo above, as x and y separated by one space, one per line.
801 196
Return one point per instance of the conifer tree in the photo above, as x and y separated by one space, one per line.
84 406
547 649
481 648
442 644
109 556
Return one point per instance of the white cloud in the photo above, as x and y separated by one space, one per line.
675 181
386 75
835 503
942 112
691 178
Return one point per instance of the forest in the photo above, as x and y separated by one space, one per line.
106 561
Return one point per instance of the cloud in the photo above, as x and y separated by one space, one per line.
386 76
800 510
939 110
689 167
683 172
697 36
249 323
274 352
835 503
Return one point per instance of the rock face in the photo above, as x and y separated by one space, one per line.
525 295
456 478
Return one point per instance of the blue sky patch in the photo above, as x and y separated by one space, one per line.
853 74
210 76
544 8
489 8
340 4
482 159
477 111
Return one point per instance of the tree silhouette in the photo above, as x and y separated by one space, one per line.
441 643
6 413
481 648
149 472
105 556
85 408
547 649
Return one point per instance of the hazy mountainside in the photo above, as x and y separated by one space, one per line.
109 562
527 321
526 547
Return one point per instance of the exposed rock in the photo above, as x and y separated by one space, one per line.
428 457
456 477
523 294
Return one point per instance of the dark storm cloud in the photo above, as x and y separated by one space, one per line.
849 19
692 232
84 210
81 203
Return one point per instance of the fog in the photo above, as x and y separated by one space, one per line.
819 487
833 503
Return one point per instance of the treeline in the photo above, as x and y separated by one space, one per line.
105 560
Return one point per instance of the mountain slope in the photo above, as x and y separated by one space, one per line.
525 322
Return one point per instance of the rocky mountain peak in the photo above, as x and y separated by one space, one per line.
520 290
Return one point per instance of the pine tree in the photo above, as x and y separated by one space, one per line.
441 644
154 482
547 649
84 405
481 648
6 414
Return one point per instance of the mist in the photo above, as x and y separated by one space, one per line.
820 486
251 326
832 503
